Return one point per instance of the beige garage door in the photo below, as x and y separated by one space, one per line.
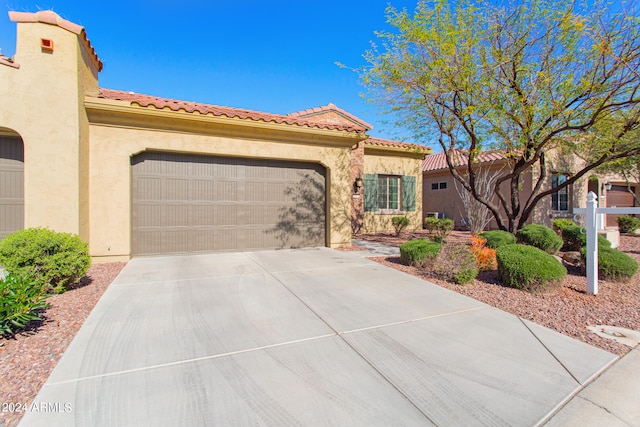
186 203
11 185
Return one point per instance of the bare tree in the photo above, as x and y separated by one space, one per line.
476 214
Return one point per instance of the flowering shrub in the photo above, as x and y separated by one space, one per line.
485 256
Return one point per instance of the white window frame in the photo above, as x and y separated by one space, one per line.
556 202
386 200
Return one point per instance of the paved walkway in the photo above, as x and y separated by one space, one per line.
376 249
304 337
612 399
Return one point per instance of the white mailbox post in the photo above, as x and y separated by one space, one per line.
591 213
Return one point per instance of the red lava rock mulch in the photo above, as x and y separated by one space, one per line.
27 360
568 311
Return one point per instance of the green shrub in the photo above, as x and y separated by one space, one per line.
562 223
628 224
50 259
613 264
541 237
21 301
400 223
419 253
438 228
529 268
575 237
456 263
497 238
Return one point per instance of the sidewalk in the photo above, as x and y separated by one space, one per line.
612 399
376 249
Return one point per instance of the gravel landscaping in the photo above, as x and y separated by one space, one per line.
27 360
569 310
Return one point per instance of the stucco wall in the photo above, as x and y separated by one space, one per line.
42 104
448 201
393 165
110 173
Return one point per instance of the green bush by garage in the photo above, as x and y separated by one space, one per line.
614 265
456 263
541 237
529 268
628 223
21 301
419 253
575 237
497 238
49 259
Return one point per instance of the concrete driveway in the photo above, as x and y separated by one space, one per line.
304 337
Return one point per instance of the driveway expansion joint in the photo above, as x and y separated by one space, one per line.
196 359
402 322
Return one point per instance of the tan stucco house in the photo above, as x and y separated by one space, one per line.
134 174
440 197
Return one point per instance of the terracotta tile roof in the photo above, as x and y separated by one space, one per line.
215 110
52 18
309 113
390 143
438 161
5 60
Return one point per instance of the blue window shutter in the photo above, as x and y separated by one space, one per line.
408 193
370 192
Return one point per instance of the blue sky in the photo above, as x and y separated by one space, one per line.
272 56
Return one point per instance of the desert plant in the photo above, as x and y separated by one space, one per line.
456 263
560 224
541 237
628 224
529 268
438 228
419 253
497 238
476 214
21 301
485 256
50 259
575 237
400 223
614 265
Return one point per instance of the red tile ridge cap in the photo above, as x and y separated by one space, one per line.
230 112
52 18
331 107
438 161
391 143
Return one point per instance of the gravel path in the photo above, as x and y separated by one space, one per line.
27 361
567 311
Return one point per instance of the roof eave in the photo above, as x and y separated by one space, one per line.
98 107
411 152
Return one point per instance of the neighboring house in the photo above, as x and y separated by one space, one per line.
440 196
135 175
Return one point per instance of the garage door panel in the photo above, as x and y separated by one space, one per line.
176 240
177 189
146 215
148 188
223 204
175 215
11 185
